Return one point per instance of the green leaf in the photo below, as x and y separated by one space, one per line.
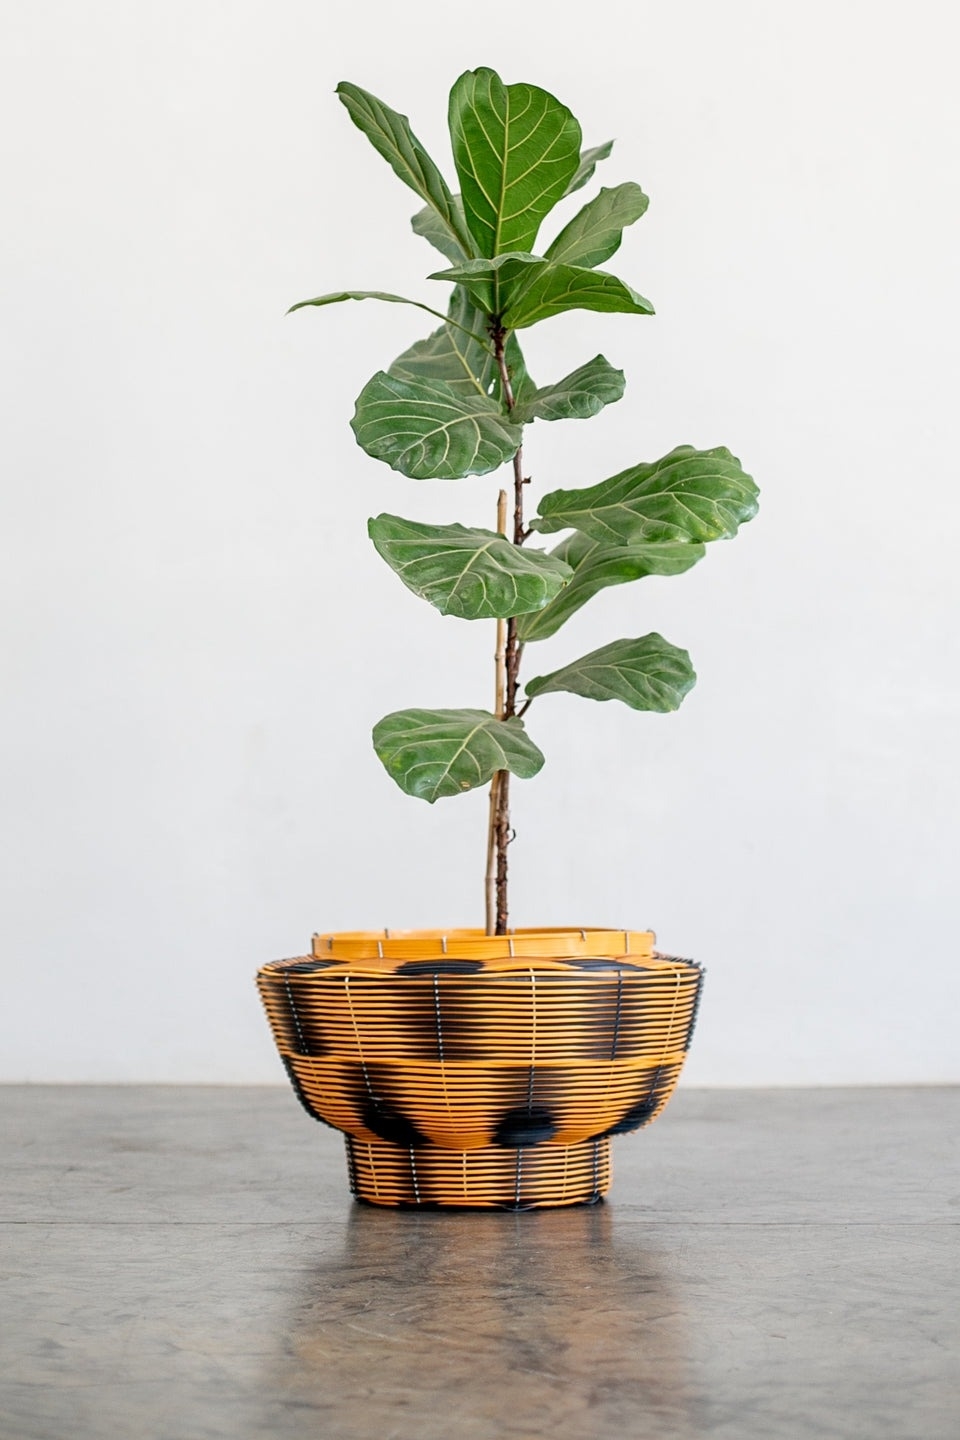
588 163
522 289
432 753
335 297
688 495
474 574
594 234
452 353
598 565
430 431
428 223
646 674
390 134
554 289
577 397
516 149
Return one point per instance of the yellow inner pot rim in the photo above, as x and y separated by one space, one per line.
552 943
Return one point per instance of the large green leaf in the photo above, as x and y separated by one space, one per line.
598 565
520 289
594 234
428 223
554 289
577 396
453 353
474 574
390 134
646 674
336 296
432 753
430 431
587 165
688 495
516 149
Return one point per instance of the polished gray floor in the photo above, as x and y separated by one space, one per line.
185 1264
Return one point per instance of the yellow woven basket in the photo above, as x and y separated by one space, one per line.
477 1071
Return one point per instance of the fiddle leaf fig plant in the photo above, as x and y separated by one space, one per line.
456 404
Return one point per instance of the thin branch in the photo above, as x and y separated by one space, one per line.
490 882
500 658
502 830
501 651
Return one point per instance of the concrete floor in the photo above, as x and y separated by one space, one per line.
185 1264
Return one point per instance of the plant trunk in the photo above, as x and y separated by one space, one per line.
500 660
500 832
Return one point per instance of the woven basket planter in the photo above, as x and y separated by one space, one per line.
482 1072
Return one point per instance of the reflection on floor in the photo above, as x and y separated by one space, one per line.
185 1264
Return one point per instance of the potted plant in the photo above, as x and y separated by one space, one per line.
491 1067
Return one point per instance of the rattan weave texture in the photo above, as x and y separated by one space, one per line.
430 1047
489 1179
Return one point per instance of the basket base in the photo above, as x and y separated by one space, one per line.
427 1177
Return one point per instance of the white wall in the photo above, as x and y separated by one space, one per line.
198 636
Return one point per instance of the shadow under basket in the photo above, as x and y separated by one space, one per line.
482 1072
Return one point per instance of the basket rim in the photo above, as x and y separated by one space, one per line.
549 942
573 971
